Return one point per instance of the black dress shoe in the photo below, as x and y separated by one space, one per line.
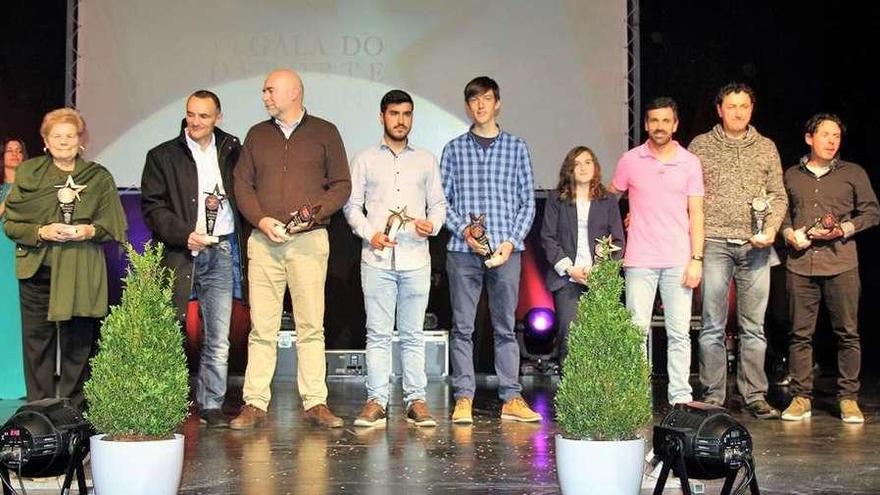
214 418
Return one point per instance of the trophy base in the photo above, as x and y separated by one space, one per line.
291 230
281 231
761 237
493 261
380 253
800 236
211 239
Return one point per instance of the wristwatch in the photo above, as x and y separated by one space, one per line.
697 257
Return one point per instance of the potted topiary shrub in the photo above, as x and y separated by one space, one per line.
603 403
138 393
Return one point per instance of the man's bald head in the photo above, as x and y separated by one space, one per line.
283 94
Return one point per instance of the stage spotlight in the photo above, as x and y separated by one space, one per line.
702 441
45 438
538 349
539 322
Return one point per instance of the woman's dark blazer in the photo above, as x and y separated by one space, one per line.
559 231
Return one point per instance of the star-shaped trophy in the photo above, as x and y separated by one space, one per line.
301 219
67 194
213 204
477 230
604 247
397 220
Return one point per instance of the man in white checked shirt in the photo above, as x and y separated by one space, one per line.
486 171
393 176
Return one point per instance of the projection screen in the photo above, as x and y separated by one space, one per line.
561 66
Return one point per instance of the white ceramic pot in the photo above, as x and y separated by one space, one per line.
136 468
598 468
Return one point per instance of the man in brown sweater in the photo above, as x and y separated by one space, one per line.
742 172
289 163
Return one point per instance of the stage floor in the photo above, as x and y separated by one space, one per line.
822 455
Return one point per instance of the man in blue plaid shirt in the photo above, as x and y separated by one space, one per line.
486 171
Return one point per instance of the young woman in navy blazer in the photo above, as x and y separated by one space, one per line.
577 213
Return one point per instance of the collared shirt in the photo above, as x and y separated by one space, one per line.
497 182
288 129
659 229
382 181
209 179
844 191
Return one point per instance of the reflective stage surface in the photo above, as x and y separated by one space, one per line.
822 455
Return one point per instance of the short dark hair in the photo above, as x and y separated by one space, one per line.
394 97
662 102
816 120
205 94
480 85
734 87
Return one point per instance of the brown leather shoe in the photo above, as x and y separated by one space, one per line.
373 414
321 415
249 417
418 414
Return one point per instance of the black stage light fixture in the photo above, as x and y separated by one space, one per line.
45 438
702 441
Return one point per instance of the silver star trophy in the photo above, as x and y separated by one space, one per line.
397 220
68 194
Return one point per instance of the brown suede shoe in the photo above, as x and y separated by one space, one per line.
249 417
418 414
373 414
321 415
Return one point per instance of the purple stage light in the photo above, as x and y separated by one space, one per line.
539 321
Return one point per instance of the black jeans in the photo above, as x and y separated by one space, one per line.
841 295
40 339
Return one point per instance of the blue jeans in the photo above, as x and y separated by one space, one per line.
212 283
404 294
641 288
750 269
466 275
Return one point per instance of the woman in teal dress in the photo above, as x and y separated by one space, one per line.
11 371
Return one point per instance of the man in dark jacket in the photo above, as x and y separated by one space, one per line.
186 198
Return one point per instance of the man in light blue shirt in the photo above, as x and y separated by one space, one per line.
486 171
396 203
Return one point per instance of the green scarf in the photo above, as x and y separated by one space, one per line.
79 271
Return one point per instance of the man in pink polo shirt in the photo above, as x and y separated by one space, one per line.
665 238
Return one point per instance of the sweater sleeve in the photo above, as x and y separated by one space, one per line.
775 188
245 182
338 184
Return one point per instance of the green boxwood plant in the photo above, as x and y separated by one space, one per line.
605 392
139 385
